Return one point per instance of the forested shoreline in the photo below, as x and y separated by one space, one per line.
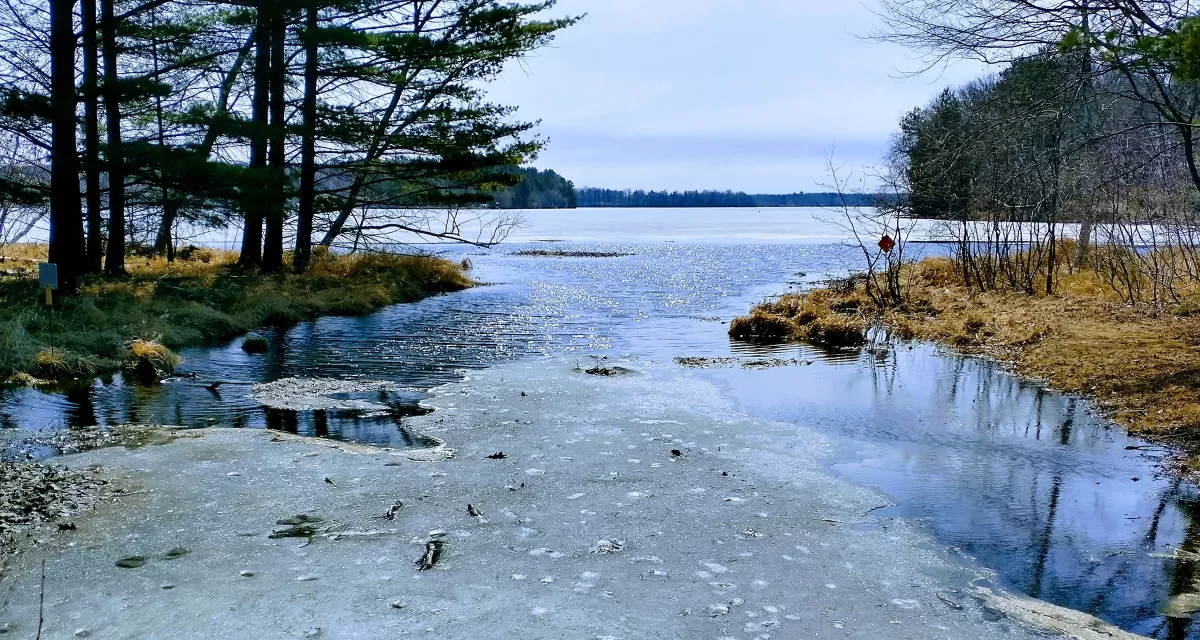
549 190
1068 179
1088 120
298 124
591 197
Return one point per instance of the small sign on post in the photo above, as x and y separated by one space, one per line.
887 244
48 280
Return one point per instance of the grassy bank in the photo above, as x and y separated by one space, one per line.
202 299
1140 363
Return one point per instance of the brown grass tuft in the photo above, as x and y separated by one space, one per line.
149 360
820 317
761 326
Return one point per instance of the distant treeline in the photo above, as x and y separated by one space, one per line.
548 190
589 197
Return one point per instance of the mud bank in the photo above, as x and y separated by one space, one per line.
638 506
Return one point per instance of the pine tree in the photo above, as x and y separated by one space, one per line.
66 214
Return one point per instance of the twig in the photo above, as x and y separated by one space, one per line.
874 509
42 603
3 572
950 603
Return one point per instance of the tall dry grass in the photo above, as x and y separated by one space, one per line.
203 299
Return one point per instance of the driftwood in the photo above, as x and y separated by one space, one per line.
433 553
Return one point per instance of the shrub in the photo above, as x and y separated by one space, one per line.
1188 308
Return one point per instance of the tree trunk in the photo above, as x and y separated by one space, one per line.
91 133
308 151
1084 240
114 257
66 216
376 149
272 260
163 240
252 190
164 243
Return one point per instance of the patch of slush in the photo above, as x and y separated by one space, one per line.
317 394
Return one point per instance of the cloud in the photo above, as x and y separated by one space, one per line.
742 95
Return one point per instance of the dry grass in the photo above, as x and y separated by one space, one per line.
1140 363
134 322
149 360
23 253
820 317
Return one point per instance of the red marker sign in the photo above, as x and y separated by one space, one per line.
887 244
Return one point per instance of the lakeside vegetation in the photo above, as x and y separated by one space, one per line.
548 190
1069 184
538 190
1136 362
320 134
128 124
201 298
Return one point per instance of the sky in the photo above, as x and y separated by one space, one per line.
745 95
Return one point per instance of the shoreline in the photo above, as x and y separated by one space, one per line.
1131 362
134 323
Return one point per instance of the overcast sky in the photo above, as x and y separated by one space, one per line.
716 94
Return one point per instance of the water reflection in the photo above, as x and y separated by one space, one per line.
537 306
1184 578
1064 505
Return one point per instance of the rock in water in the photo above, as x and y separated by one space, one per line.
132 562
